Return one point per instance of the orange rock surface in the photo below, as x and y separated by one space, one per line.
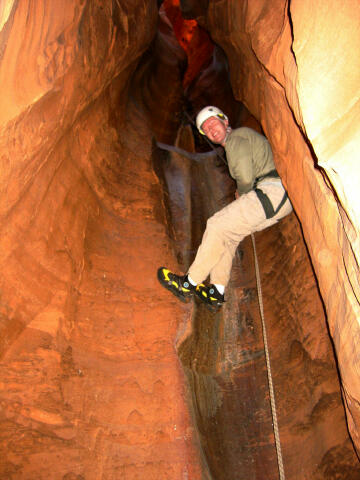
301 81
103 374
91 386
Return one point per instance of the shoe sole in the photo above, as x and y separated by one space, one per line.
209 306
171 289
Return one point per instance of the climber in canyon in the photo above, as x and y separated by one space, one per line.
260 201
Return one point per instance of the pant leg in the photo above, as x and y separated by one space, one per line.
227 228
251 218
220 273
224 231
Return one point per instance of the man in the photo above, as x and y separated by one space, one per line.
260 202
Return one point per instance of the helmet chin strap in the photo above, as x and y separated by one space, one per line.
228 131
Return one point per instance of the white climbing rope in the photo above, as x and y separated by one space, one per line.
268 367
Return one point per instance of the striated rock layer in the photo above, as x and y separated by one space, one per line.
103 374
91 386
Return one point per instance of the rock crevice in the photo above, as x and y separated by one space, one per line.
103 374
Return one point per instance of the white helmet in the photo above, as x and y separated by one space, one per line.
206 113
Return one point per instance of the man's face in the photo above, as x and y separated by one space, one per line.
215 129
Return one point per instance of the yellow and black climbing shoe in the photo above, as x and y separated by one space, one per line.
176 284
210 295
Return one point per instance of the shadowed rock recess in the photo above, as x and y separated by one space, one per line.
103 374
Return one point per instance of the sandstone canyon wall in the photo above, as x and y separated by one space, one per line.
287 64
103 375
91 386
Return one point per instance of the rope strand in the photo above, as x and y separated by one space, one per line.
268 366
267 356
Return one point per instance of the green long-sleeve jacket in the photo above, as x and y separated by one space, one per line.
249 156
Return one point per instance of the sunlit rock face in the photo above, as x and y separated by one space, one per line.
103 374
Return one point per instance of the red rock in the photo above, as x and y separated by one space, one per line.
103 374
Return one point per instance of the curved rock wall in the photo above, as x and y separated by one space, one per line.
91 384
301 81
223 354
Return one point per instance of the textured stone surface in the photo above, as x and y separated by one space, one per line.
285 63
224 360
91 386
103 375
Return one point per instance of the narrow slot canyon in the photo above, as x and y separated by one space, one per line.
104 374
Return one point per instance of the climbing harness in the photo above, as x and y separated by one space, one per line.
264 199
268 366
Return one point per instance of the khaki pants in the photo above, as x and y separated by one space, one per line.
227 228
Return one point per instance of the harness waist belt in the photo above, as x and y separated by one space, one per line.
267 205
264 199
271 174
